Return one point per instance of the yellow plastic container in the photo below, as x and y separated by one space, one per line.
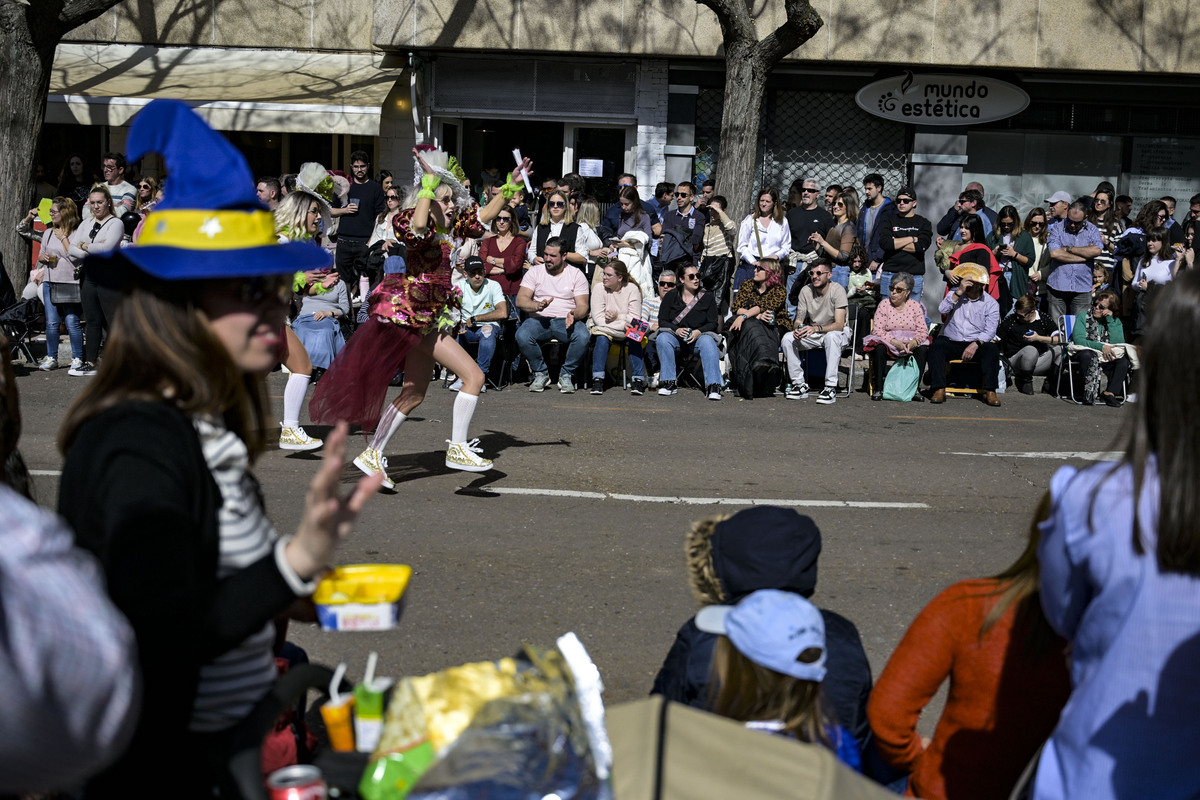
361 597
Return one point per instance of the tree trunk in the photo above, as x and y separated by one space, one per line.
23 102
745 85
29 34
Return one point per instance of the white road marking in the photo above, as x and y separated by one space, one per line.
45 472
1100 455
696 501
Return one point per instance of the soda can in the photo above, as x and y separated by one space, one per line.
297 782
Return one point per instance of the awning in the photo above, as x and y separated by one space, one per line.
234 89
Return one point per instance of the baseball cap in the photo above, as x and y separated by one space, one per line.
1058 197
772 628
473 264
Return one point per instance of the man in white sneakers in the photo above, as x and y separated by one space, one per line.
820 323
555 296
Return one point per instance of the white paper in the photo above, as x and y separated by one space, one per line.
591 167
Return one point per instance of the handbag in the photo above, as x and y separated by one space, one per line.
61 293
901 381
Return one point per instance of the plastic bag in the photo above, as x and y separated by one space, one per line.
514 729
901 381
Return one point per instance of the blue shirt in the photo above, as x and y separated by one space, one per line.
1072 277
1132 724
970 320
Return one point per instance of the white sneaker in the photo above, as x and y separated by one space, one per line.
456 386
76 363
84 370
540 381
465 456
372 462
653 384
294 438
48 363
565 384
826 397
796 391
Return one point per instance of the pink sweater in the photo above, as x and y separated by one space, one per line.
909 317
627 303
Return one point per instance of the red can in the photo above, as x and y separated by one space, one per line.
298 782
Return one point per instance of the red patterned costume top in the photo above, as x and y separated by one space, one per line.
420 297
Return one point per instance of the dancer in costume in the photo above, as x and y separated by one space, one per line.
296 220
412 316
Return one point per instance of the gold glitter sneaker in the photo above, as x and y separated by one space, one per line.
296 439
465 456
372 462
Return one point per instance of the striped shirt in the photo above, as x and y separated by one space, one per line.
233 682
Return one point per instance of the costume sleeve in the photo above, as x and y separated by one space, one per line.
467 224
402 225
918 667
69 681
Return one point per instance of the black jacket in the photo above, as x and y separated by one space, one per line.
1012 334
138 493
702 317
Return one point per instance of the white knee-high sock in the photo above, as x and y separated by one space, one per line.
464 409
389 423
293 398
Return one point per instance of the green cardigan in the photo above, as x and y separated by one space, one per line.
1020 274
1116 331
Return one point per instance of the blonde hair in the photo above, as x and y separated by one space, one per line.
568 215
744 691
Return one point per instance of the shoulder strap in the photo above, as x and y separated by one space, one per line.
687 309
758 238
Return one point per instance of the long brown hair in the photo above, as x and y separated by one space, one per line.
162 349
1162 425
744 691
68 212
1019 586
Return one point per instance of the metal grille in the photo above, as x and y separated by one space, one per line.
823 135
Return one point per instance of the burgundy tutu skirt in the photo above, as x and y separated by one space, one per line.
356 384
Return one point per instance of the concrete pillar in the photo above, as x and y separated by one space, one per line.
397 135
651 111
938 158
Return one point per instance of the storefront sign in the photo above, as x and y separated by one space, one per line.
1164 166
937 99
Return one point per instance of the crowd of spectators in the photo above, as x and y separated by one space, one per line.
833 253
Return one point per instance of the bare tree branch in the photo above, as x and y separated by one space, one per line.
77 12
734 17
801 24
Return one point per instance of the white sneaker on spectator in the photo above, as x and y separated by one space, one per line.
653 384
1131 397
540 381
796 391
565 384
668 388
76 363
826 397
47 363
714 391
456 386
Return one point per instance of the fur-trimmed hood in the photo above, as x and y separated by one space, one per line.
765 547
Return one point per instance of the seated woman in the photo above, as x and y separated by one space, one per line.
1008 682
318 324
615 303
900 330
769 666
1026 340
687 321
1102 333
759 318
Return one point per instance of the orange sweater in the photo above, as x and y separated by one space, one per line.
1002 703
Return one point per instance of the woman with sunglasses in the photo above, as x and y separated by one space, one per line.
557 221
147 189
1034 249
899 330
763 234
102 234
759 318
59 267
383 241
157 481
687 323
845 216
504 256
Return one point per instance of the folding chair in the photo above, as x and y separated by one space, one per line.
1067 363
814 362
18 322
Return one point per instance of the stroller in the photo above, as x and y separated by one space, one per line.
19 319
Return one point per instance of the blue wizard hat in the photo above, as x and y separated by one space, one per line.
210 223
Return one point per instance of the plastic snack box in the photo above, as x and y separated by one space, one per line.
361 597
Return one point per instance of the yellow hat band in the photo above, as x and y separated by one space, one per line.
209 230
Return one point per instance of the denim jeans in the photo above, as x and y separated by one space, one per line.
54 315
668 344
536 330
600 347
486 336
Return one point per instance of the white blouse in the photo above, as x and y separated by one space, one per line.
776 239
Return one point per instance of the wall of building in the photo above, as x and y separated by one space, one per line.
1117 35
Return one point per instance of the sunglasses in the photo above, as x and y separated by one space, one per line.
265 288
395 197
556 204
143 186
898 289
806 190
695 276
503 219
905 200
682 194
666 284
